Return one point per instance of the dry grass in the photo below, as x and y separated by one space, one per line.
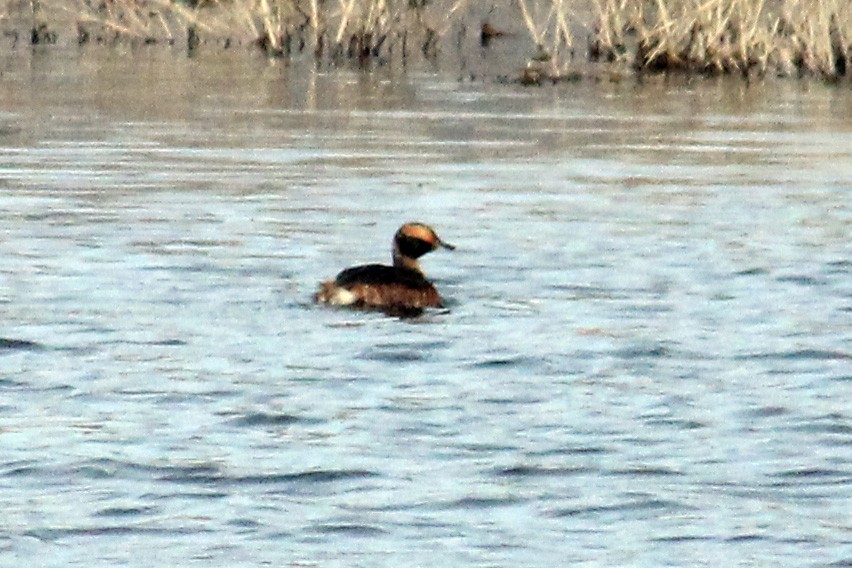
748 37
729 36
327 28
548 24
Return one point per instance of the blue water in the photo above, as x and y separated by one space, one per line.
646 359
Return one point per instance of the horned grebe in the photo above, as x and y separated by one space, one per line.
398 289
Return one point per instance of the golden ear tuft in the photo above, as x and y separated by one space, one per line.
419 231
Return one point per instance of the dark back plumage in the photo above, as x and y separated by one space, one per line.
389 287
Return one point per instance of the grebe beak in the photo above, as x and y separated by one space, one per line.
447 246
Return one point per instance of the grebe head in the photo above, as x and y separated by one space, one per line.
412 241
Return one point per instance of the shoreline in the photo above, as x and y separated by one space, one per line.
524 42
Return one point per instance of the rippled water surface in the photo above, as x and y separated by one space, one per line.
646 361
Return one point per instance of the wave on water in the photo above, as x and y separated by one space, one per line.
52 534
203 474
797 354
626 507
270 419
19 345
349 529
538 471
206 477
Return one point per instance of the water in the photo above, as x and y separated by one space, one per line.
646 360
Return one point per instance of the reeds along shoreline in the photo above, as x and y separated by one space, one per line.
745 37
748 37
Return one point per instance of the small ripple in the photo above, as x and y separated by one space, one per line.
125 511
796 355
538 471
645 471
244 523
10 344
486 447
201 474
826 424
680 538
802 280
752 271
394 354
169 343
267 419
573 450
815 473
204 476
511 400
181 397
507 362
654 351
679 424
349 529
768 411
52 534
625 507
481 502
95 472
206 495
87 470
839 267
579 292
21 471
750 537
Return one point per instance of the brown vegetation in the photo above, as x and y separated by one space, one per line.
728 36
748 37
